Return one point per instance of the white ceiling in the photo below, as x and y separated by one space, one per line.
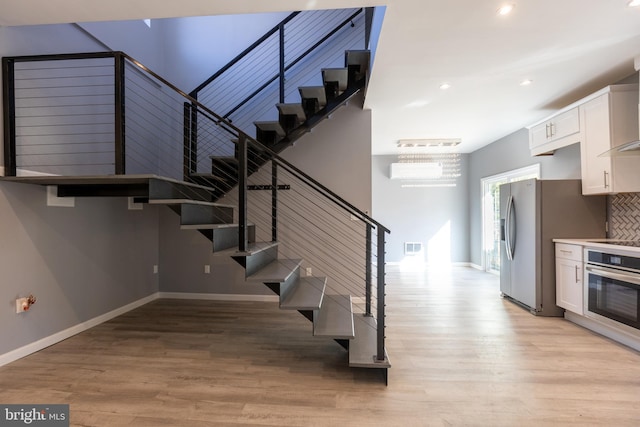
568 48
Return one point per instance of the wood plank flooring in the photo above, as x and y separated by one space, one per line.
460 355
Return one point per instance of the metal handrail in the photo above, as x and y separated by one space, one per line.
119 60
291 64
243 53
278 28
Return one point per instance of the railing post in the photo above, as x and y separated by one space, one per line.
380 317
120 166
274 201
186 141
281 63
9 116
242 192
193 147
368 271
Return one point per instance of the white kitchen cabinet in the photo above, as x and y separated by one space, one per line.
609 118
569 284
556 132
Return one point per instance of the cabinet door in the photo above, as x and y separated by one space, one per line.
569 289
565 124
539 135
596 171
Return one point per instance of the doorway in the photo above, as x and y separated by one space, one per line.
491 212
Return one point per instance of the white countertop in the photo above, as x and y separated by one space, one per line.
599 243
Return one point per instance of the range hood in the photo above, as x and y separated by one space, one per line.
631 148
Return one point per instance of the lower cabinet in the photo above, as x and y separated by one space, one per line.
569 284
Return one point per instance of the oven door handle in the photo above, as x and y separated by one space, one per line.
629 277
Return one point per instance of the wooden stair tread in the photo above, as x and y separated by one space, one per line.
276 271
363 348
306 294
335 318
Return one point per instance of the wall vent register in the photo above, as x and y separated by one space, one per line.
412 248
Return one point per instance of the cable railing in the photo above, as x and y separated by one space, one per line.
106 114
290 56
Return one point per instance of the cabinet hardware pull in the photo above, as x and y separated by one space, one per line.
547 131
552 131
577 279
606 174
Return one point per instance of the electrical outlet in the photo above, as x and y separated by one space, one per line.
309 272
155 269
207 269
22 305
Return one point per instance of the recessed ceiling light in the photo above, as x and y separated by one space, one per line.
445 86
634 3
526 82
507 9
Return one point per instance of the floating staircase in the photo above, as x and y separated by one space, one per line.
332 315
197 201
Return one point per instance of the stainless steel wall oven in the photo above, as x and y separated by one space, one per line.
613 286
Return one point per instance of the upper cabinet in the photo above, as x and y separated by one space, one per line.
555 132
609 118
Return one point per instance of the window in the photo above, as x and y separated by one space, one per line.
491 212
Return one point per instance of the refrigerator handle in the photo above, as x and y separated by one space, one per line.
508 238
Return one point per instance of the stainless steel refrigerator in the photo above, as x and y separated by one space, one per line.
532 213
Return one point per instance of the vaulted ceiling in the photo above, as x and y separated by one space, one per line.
566 49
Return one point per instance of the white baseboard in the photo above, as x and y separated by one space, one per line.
69 332
81 327
452 264
218 297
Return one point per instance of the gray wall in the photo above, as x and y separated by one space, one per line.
78 262
434 216
197 47
508 153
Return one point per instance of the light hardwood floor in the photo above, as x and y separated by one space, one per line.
460 356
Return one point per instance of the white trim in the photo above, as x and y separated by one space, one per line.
54 200
132 205
218 297
508 176
45 342
74 330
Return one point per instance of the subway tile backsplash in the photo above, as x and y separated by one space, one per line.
623 211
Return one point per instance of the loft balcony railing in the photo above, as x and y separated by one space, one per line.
106 114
